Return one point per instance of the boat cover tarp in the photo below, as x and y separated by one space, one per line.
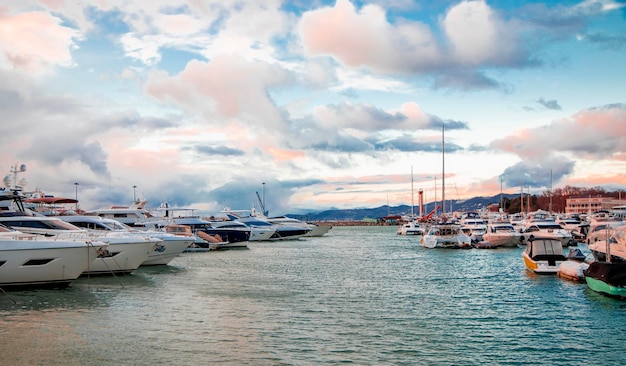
545 249
611 273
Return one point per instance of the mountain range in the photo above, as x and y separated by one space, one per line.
359 214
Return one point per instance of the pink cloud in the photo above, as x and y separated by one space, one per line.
32 42
227 86
285 155
476 34
365 38
594 133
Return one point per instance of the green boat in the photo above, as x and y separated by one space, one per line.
607 278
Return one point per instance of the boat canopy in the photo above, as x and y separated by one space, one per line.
611 273
540 249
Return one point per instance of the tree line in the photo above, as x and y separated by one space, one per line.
557 198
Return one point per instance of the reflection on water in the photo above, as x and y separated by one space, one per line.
361 295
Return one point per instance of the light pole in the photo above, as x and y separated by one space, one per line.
134 195
263 191
76 189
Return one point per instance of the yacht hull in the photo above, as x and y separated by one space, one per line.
32 264
125 255
168 249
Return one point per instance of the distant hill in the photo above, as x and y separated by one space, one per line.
358 214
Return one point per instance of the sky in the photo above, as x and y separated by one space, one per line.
312 105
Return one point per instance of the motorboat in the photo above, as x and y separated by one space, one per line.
260 230
284 228
543 255
168 249
574 267
503 234
547 229
295 228
598 229
474 227
411 228
446 235
32 261
578 228
235 236
318 230
131 215
617 245
125 253
607 278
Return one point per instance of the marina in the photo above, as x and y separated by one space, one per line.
360 294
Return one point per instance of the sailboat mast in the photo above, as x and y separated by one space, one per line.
412 199
443 170
550 205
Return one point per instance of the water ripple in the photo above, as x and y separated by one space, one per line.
361 296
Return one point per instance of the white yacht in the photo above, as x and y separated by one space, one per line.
131 215
169 248
284 228
208 235
125 253
308 229
474 227
547 229
617 242
446 235
598 229
411 228
503 234
29 260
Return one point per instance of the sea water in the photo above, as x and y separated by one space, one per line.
359 295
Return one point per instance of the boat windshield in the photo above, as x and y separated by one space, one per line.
503 229
42 224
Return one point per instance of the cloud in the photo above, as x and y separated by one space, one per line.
606 41
365 38
538 174
597 133
413 144
475 37
241 194
550 104
54 150
35 42
226 87
478 36
364 128
366 117
218 150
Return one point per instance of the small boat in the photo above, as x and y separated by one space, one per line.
446 235
411 228
473 226
547 229
543 255
503 234
607 278
574 267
